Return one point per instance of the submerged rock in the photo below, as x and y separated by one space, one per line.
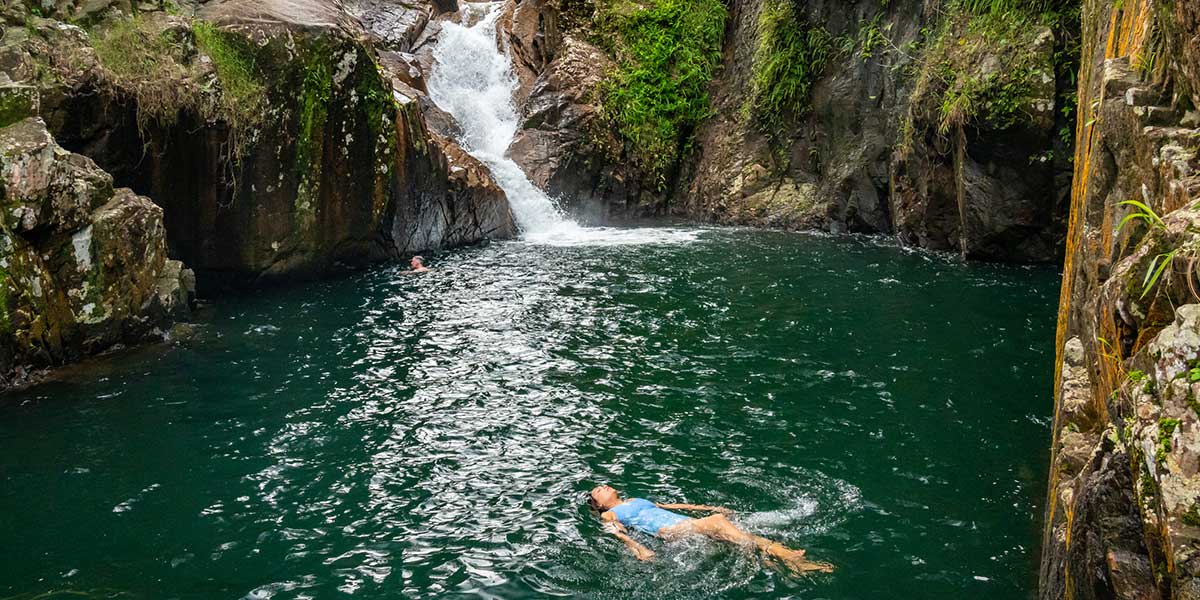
83 267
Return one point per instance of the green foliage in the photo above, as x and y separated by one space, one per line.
952 90
244 92
143 60
1161 261
1166 429
871 37
1035 7
667 52
1142 212
790 56
1191 516
1155 271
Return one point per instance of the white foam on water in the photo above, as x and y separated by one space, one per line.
474 82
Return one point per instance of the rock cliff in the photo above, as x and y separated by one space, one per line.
1122 517
254 141
946 127
277 136
83 267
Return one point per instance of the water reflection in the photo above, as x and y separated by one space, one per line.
432 436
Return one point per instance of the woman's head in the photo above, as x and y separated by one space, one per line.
603 498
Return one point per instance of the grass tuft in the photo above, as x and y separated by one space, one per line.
244 92
141 58
154 63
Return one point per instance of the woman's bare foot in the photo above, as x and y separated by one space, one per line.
794 560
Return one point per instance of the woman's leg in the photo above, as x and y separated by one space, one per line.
718 527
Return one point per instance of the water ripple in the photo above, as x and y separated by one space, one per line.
432 436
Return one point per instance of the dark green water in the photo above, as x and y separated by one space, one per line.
389 436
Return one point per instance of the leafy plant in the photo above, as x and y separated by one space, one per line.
667 52
1143 213
1161 261
789 57
1153 274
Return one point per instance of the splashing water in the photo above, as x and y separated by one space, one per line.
474 82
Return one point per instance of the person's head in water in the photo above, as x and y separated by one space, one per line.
603 498
417 262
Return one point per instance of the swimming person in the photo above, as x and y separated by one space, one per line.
658 520
418 265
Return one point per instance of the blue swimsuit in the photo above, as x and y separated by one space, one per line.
643 515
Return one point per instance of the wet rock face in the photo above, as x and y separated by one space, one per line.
564 146
82 266
1129 322
397 26
996 199
561 145
836 167
984 190
340 170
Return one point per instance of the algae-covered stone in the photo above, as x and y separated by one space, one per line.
17 101
284 153
82 267
46 186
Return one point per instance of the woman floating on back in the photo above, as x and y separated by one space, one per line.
658 520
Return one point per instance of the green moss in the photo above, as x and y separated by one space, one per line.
315 94
16 103
790 55
1149 487
244 92
667 52
1191 516
142 59
380 108
1166 429
1192 402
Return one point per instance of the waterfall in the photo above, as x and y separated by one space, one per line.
473 81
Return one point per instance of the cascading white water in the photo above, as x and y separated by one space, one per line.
474 82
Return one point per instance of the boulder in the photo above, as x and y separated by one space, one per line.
83 267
